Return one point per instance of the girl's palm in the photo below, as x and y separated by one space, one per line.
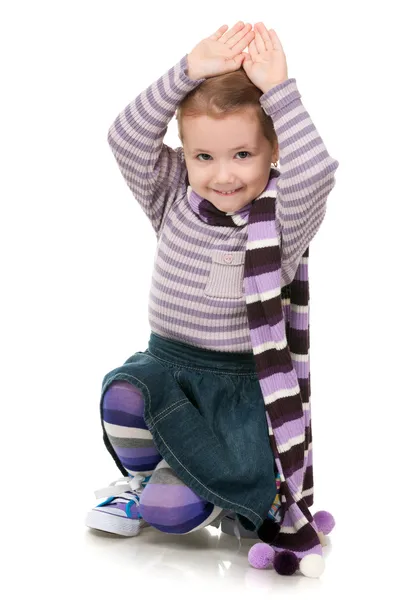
221 52
265 63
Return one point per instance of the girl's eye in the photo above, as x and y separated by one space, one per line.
241 152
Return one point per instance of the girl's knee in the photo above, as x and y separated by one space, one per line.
173 508
123 396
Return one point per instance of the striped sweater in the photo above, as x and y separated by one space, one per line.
197 293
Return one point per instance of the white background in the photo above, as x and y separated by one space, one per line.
77 255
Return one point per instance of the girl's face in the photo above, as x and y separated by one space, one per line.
230 154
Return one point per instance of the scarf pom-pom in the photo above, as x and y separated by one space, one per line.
324 521
261 555
312 565
286 562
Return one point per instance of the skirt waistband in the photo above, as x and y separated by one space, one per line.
191 356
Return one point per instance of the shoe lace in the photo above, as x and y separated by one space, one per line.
123 490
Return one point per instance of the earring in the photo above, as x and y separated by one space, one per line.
275 164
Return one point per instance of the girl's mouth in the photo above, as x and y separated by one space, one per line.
227 193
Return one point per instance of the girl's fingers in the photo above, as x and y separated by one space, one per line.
242 43
276 43
218 33
253 50
260 45
263 32
231 32
238 60
235 36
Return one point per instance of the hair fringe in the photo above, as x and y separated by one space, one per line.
229 93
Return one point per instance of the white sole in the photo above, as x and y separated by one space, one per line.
114 524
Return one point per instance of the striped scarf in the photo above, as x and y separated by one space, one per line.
278 318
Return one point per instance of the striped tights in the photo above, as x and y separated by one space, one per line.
166 502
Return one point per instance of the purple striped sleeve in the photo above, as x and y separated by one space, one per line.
154 172
307 173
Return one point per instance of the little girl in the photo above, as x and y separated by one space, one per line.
212 421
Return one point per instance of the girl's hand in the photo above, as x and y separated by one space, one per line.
265 65
221 52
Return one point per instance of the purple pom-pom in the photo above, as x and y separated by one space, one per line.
324 521
261 555
286 563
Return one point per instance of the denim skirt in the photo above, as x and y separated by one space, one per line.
206 413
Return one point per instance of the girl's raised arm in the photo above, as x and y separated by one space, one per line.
154 172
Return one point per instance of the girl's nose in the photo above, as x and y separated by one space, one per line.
224 175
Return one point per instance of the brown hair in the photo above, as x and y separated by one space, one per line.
226 94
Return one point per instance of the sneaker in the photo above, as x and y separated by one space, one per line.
119 513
